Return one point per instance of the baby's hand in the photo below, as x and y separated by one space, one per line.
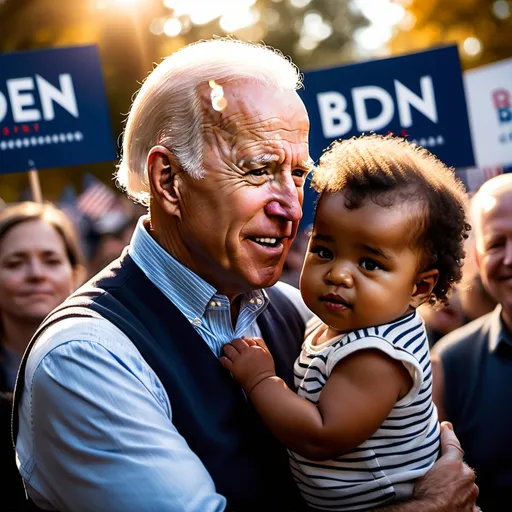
249 361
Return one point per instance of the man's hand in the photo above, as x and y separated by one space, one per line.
249 361
450 484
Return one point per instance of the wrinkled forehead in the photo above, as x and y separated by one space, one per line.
256 107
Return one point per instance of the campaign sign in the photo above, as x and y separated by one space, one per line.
419 96
489 96
53 109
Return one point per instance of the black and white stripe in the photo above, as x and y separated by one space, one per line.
404 447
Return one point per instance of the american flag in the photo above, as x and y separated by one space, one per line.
97 198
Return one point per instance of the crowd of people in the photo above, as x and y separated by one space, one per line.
192 374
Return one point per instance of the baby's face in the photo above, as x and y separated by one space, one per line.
360 269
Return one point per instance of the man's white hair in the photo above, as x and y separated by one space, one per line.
486 198
167 110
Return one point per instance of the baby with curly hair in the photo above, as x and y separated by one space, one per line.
388 236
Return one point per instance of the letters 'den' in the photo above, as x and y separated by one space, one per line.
22 101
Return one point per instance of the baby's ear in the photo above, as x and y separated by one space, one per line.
425 282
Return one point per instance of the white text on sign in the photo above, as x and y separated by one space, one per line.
336 121
21 98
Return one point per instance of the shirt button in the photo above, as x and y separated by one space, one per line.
251 301
218 303
259 301
196 321
212 303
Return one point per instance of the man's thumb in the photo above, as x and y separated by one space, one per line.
450 445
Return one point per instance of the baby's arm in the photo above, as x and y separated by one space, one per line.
358 396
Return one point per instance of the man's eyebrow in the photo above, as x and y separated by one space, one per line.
377 251
308 164
264 158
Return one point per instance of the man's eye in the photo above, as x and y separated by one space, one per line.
299 173
13 264
496 244
258 172
369 264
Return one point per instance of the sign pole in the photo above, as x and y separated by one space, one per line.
35 184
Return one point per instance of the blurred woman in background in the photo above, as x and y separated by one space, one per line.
40 265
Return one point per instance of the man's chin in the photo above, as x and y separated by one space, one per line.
266 278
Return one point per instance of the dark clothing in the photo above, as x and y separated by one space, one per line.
477 366
13 495
248 465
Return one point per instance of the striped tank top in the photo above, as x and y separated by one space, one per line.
404 447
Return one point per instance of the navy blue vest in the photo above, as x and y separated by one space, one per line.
477 395
248 465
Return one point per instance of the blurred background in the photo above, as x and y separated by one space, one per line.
134 35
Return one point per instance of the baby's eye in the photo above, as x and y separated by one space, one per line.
322 252
369 264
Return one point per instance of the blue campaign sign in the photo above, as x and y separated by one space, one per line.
53 109
419 96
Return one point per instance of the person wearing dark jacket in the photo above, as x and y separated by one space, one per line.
472 366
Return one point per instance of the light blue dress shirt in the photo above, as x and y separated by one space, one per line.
96 431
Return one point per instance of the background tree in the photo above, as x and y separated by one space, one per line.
130 37
481 28
133 35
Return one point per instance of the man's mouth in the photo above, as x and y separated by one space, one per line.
267 241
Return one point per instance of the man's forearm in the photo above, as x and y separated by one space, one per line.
413 505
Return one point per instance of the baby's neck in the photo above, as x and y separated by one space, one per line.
328 333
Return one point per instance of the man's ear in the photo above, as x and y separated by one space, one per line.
425 282
477 258
163 175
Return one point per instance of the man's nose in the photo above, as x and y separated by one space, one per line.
340 275
286 203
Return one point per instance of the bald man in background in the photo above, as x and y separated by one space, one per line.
472 366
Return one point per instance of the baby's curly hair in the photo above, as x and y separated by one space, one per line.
389 170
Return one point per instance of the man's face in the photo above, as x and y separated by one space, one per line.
239 221
494 248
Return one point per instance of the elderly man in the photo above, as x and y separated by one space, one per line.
473 365
125 406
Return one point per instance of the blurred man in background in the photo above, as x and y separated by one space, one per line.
472 366
475 300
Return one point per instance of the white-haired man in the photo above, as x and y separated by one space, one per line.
472 366
125 406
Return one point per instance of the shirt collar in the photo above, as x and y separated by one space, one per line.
189 292
498 333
